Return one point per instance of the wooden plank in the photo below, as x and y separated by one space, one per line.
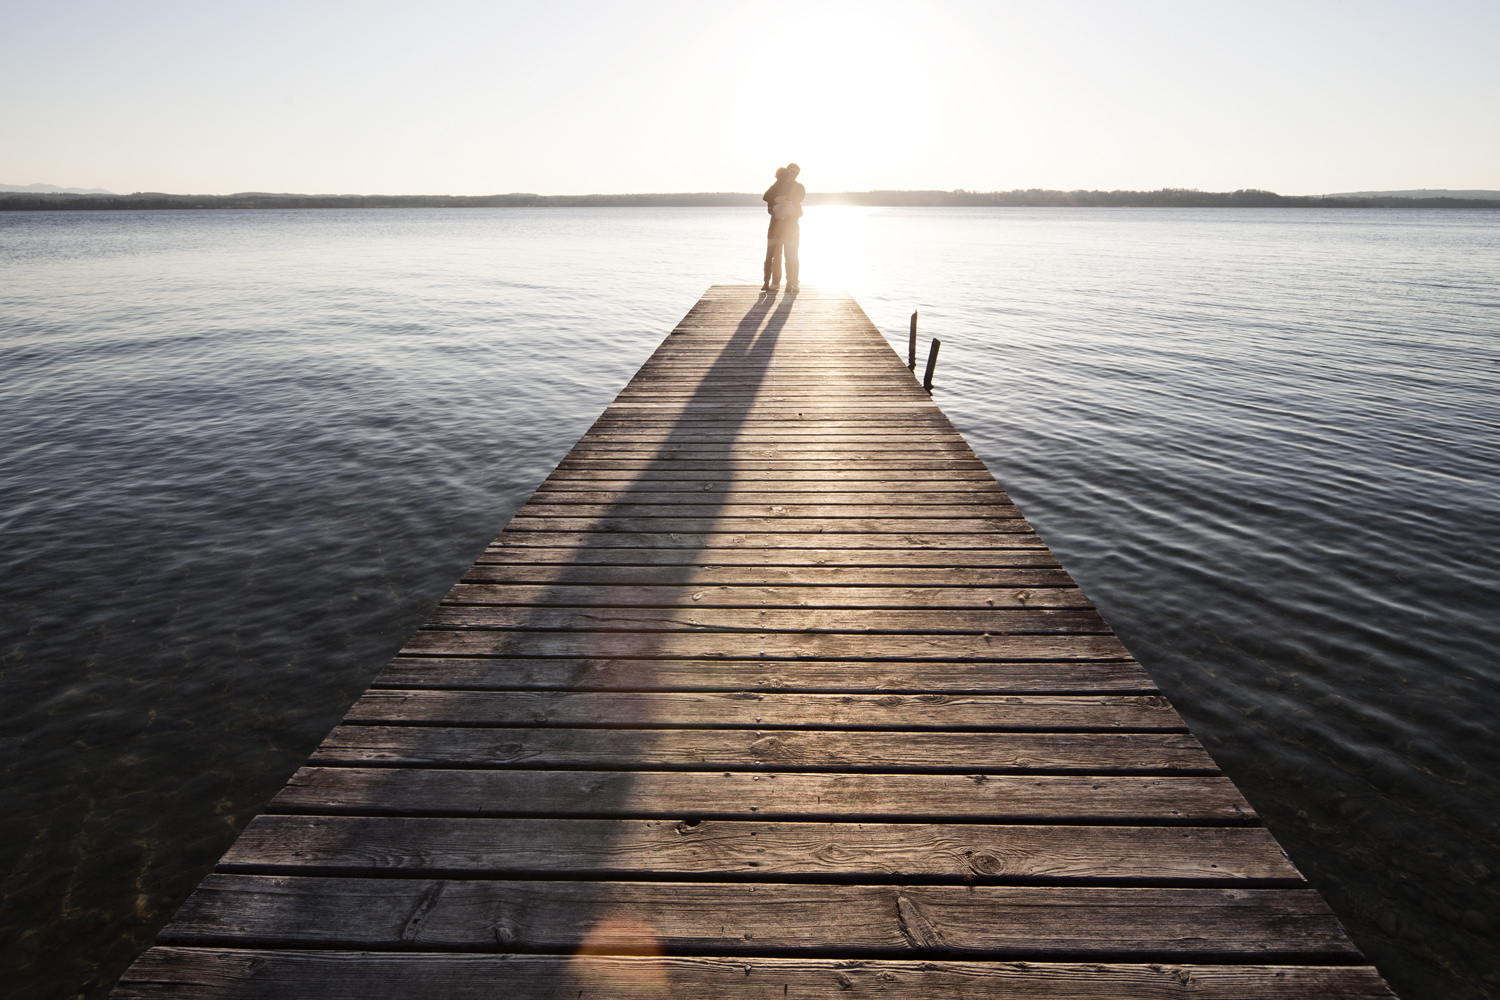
671 490
790 452
739 466
812 412
738 749
971 621
244 974
764 393
812 676
628 422
791 479
767 710
751 596
933 852
820 584
770 645
736 918
755 386
708 542
724 508
736 794
1023 551
900 430
731 436
759 503
775 532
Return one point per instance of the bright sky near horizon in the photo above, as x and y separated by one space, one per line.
469 97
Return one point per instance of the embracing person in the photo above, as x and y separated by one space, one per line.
784 203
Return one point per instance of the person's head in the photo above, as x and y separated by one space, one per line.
781 173
792 170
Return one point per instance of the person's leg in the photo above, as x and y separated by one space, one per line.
789 246
773 261
765 282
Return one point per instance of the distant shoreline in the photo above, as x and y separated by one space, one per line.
1033 198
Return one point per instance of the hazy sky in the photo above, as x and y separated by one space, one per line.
469 97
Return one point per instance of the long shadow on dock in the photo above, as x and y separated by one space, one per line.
726 394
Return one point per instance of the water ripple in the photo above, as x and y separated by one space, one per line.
246 451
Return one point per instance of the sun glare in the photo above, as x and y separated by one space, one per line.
836 91
834 242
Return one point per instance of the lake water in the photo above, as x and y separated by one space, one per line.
242 454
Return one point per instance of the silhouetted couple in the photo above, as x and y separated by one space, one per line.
784 202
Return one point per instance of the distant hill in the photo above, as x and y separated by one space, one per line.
50 189
1423 193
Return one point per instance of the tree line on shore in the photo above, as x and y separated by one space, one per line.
1031 198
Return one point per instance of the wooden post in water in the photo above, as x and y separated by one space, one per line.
911 344
932 353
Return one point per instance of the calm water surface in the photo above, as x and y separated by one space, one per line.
242 453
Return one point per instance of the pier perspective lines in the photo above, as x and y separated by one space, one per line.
768 691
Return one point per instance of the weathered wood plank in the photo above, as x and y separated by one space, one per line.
766 710
973 621
740 794
738 749
872 466
657 491
719 508
1022 551
793 437
726 495
750 395
769 645
241 974
746 595
813 676
954 852
738 918
634 422
708 543
832 452
779 525
820 584
816 479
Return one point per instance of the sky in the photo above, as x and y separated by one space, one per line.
469 97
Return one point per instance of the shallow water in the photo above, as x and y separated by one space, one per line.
244 452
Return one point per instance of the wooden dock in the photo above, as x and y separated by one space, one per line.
768 691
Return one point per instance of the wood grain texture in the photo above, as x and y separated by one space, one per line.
954 852
855 676
795 585
247 974
508 550
783 750
730 794
752 596
707 542
741 645
760 919
697 618
767 710
776 527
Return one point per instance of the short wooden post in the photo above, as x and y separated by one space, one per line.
911 345
931 363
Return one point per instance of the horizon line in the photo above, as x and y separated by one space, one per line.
1414 193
